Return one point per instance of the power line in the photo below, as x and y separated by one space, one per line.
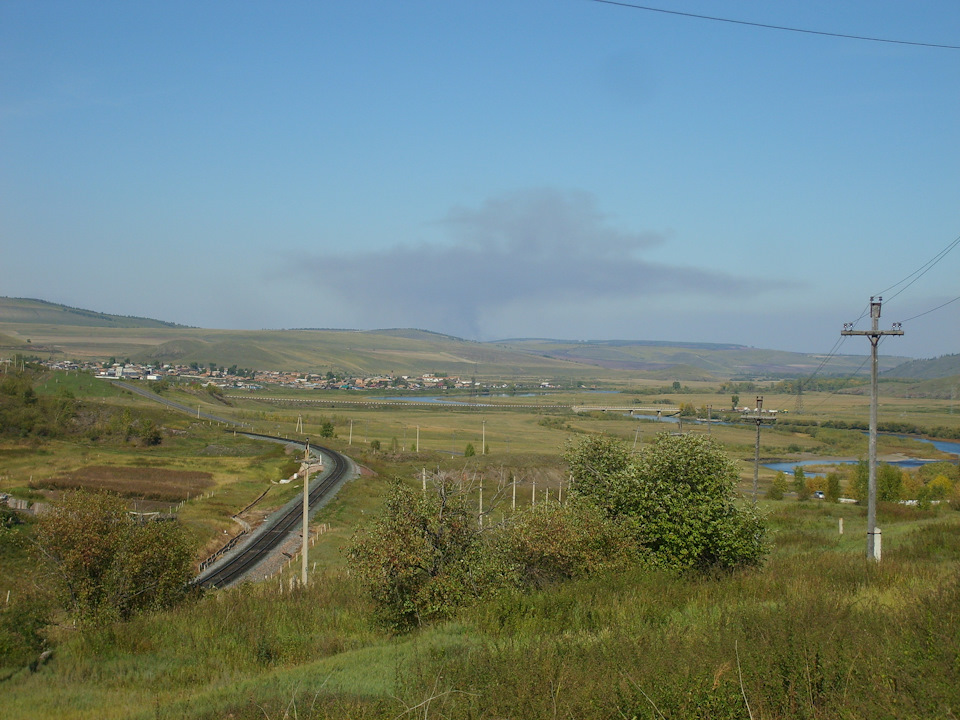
927 312
922 270
778 27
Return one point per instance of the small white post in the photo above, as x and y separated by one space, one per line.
513 506
876 544
424 476
841 526
533 495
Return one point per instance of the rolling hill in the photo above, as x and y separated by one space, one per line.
942 367
46 329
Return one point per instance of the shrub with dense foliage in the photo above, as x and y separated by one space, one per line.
105 564
551 542
424 557
677 496
428 555
671 506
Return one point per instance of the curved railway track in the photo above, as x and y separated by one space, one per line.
278 528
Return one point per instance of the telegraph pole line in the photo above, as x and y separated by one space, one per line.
759 416
873 334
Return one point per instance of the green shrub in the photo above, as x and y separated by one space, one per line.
552 542
677 495
424 557
106 565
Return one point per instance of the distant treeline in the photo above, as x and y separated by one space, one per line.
889 426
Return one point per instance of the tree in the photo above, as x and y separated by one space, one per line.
327 429
107 566
800 483
469 450
424 557
734 401
676 385
688 410
833 487
889 482
677 496
778 487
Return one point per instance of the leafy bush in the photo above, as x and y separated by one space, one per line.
677 495
552 542
424 557
106 565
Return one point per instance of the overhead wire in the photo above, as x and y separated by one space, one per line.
785 28
922 270
927 312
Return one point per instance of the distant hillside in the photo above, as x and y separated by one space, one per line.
57 331
941 367
27 310
945 388
718 360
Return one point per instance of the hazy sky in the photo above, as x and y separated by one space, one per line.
547 168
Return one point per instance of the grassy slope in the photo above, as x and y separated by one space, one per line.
796 632
31 312
941 367
802 624
721 360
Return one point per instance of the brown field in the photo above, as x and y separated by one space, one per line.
141 482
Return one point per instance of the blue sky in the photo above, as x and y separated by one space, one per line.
565 169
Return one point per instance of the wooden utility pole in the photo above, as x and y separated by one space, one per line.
759 416
306 511
874 334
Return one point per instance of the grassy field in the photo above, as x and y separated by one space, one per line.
790 639
816 633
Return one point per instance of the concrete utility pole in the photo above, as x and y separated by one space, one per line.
874 334
306 512
759 416
483 437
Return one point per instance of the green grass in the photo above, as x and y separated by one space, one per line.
638 644
797 631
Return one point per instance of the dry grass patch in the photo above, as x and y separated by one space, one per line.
142 482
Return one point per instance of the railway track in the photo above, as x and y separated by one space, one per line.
278 528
